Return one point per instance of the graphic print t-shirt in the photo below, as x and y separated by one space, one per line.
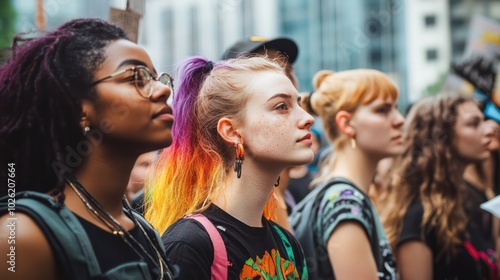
253 253
343 202
475 260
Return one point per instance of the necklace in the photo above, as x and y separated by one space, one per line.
116 228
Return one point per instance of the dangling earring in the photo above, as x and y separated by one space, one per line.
277 182
240 155
353 143
86 129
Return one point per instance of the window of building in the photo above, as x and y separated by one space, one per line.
431 54
457 22
458 48
430 20
376 56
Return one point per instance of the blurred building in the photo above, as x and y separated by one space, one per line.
428 44
174 30
413 41
461 13
58 11
340 35
437 34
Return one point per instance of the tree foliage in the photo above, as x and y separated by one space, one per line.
7 24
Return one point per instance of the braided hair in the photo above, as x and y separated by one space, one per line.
43 83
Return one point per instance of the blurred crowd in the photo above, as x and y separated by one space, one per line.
234 173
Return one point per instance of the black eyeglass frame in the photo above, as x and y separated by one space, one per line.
169 82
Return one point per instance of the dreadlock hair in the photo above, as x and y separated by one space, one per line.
429 170
189 174
43 83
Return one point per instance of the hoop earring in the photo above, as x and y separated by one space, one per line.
353 143
240 156
277 182
86 129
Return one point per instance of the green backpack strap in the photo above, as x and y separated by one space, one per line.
68 239
289 251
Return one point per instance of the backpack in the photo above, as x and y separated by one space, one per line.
303 220
69 242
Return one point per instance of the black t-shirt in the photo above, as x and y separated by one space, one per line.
111 250
475 260
481 220
253 253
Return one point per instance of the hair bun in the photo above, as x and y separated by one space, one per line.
320 77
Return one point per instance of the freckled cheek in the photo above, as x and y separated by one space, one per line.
270 139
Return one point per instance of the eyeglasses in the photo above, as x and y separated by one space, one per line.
143 80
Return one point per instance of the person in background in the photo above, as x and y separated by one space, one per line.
79 105
136 182
363 125
301 176
425 217
480 180
285 51
238 125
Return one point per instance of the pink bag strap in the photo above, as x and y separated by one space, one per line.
220 263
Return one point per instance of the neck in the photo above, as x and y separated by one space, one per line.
298 171
245 198
356 166
105 177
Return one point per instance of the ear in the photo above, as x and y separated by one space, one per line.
87 110
227 130
343 120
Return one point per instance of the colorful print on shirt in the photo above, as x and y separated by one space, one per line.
271 266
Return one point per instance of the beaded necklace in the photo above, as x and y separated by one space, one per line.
116 228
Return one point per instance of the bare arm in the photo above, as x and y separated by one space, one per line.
350 253
24 250
414 260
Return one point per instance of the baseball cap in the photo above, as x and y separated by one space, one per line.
254 44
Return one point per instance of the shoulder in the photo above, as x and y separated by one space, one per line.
343 203
343 190
28 247
412 221
189 247
414 213
345 200
187 234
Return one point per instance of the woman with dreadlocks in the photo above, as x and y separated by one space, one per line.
79 105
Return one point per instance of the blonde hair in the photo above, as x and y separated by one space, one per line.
344 91
190 173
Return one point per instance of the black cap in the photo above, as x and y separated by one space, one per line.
254 44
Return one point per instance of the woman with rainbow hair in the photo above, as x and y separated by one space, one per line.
238 125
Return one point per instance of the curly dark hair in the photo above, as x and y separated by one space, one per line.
429 170
43 83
